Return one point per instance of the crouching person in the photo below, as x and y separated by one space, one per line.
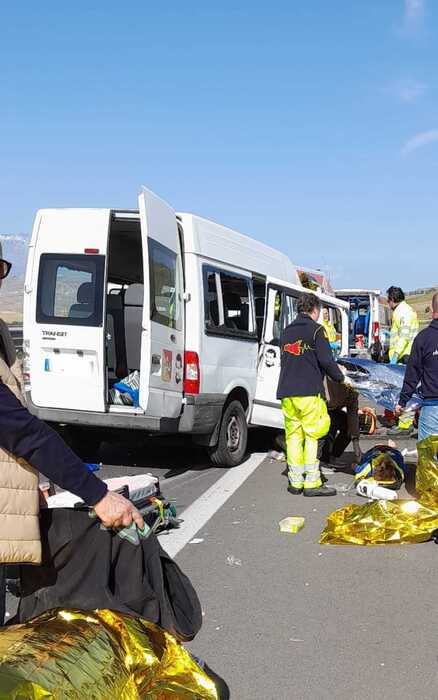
306 357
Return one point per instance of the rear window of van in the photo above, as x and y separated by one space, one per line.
70 289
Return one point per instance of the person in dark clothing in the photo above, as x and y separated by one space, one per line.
27 445
423 369
306 357
337 439
344 424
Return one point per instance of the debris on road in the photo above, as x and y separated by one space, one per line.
276 456
232 561
372 490
292 524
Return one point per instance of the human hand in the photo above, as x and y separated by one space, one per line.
114 510
398 410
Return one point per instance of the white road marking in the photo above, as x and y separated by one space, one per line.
200 512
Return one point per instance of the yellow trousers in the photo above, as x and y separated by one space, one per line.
306 420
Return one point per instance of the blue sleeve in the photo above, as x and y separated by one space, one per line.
413 372
26 437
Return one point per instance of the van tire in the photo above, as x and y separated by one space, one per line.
233 437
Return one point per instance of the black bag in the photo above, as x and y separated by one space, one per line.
87 567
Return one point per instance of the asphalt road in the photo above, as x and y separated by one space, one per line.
285 617
288 618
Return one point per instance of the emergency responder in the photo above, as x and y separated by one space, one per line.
404 327
329 328
344 426
305 358
403 331
423 368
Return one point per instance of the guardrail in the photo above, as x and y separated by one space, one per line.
17 337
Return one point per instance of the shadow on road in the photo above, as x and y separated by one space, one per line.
173 454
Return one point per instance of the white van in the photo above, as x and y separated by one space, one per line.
369 322
177 298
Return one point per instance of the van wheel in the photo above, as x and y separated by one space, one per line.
233 437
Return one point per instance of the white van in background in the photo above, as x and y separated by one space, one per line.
185 302
369 322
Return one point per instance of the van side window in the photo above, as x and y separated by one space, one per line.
284 312
70 289
165 286
228 304
289 310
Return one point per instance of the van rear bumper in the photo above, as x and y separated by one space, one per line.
200 415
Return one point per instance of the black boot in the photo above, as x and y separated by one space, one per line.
320 491
294 491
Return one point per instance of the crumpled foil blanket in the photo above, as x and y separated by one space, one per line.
392 522
101 655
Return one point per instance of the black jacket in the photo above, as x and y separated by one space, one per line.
306 357
27 437
422 366
86 567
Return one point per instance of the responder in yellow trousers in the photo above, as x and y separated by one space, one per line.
306 357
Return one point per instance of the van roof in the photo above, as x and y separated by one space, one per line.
211 240
357 292
221 244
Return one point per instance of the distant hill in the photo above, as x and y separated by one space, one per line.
421 303
13 248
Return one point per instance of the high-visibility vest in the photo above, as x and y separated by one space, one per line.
330 331
403 330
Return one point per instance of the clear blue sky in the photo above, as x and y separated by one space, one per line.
312 125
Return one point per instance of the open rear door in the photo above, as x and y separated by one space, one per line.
162 355
65 311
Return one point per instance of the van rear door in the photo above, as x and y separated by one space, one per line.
162 345
65 313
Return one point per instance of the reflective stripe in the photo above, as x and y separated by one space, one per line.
363 472
313 477
296 476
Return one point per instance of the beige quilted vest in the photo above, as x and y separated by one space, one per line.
19 496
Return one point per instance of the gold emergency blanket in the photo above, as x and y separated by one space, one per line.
103 655
392 522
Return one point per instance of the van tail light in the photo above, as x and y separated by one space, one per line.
192 374
376 330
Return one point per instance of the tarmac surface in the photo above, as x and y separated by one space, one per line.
288 618
285 617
